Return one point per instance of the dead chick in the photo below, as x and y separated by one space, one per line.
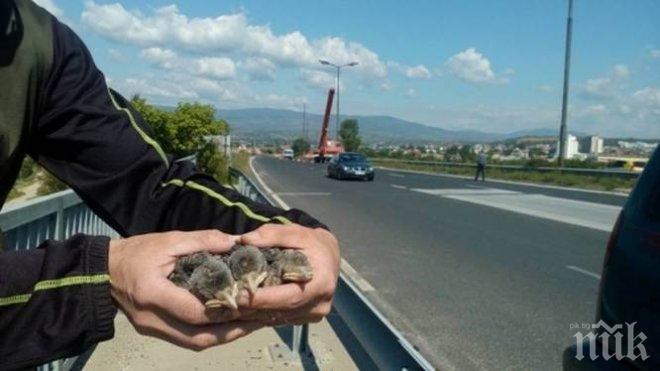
248 266
214 284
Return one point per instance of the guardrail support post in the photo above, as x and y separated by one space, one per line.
300 344
59 221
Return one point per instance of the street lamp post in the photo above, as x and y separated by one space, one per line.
564 102
338 67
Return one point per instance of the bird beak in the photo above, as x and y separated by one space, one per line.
254 280
302 274
229 299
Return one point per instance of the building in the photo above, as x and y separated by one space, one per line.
572 148
595 145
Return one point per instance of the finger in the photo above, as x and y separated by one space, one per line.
190 336
181 304
211 240
290 235
282 297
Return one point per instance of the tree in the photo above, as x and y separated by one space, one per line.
300 146
49 184
181 132
213 162
350 135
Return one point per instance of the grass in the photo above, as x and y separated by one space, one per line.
241 161
603 183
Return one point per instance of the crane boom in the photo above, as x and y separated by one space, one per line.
323 140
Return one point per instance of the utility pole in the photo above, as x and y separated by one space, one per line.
567 69
338 67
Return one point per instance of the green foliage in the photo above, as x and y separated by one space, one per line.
300 146
14 193
28 169
49 184
350 135
607 183
213 162
241 161
181 132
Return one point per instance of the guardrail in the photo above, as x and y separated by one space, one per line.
382 342
611 172
56 216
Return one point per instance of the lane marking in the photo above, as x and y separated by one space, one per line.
583 271
580 213
346 268
396 175
304 193
398 186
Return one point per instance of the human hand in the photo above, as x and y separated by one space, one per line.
138 268
295 303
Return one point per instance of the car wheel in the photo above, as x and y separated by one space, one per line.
370 177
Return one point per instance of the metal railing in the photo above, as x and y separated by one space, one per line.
56 216
381 341
605 172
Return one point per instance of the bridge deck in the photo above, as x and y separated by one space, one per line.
258 351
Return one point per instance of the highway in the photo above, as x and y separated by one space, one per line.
476 275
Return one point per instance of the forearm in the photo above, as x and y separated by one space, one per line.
54 301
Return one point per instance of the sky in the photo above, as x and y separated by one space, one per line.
494 66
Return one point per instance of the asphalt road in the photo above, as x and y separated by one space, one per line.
476 275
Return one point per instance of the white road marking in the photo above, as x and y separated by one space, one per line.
581 213
304 193
396 175
346 268
583 271
398 186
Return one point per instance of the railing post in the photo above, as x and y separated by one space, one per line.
59 221
300 339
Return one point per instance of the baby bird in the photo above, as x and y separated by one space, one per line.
184 267
274 270
295 266
248 266
212 282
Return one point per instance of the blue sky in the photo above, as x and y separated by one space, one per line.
486 65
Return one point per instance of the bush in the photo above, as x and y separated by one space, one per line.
212 162
49 184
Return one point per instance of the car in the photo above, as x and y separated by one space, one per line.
628 306
288 154
349 165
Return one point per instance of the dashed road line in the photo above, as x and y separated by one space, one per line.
398 186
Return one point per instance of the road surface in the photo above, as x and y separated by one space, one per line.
476 275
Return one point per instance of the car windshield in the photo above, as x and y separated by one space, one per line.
352 158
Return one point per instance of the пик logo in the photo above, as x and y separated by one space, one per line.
613 336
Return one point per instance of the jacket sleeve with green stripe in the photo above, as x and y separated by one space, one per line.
91 138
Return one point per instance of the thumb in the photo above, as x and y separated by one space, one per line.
211 240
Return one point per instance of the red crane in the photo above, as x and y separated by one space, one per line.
323 141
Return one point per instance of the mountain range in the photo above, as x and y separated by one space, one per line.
268 125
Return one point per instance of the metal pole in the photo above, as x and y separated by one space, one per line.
305 121
567 68
337 124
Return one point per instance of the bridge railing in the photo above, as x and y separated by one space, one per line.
605 172
381 341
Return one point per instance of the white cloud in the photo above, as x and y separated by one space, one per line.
51 7
319 79
214 67
418 72
232 33
219 68
472 66
594 110
259 68
654 53
509 72
117 55
411 93
621 71
649 97
544 88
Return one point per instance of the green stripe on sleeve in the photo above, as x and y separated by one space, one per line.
55 284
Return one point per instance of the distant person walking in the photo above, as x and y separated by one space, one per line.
481 167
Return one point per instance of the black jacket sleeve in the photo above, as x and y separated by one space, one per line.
54 301
91 138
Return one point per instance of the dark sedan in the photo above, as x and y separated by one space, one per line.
350 165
